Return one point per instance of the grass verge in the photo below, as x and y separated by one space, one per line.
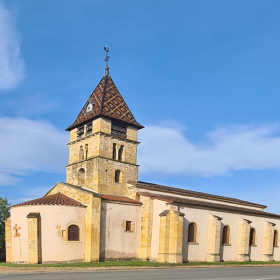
136 264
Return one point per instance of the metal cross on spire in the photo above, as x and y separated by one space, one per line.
106 49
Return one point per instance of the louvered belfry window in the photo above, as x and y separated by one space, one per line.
119 128
73 233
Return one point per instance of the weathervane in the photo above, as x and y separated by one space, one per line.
106 49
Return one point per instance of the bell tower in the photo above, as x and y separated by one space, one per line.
103 142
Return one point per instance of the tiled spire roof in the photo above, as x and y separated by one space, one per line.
107 102
54 199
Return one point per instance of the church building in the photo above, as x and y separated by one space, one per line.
103 212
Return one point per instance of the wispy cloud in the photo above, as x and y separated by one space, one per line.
166 149
12 69
30 145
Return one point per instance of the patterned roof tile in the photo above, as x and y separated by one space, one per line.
108 102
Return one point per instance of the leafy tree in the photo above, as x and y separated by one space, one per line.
4 214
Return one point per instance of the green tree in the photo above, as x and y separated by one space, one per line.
4 214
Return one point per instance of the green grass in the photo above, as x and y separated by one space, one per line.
134 264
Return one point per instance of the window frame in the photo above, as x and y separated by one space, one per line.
192 234
252 240
68 233
275 238
226 235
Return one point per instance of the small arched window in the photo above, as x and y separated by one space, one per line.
86 148
73 233
192 232
275 238
81 177
117 176
114 151
226 231
81 153
121 153
252 237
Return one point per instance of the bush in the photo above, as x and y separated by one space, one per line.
4 214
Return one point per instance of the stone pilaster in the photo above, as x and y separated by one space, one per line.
242 252
267 245
146 228
8 239
93 230
34 238
214 239
171 237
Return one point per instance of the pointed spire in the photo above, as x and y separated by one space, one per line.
106 49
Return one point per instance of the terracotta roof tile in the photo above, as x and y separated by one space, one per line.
120 199
108 102
156 187
204 204
55 199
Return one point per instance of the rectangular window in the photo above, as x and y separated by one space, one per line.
128 226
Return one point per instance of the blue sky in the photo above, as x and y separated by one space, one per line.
201 76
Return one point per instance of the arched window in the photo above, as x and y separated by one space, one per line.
192 232
81 153
252 237
275 239
73 233
81 177
114 151
226 235
86 148
117 176
121 153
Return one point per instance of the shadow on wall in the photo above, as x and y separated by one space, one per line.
2 257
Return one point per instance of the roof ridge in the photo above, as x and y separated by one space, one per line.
103 94
190 192
201 203
53 199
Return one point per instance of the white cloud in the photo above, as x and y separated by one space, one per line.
11 63
165 149
30 145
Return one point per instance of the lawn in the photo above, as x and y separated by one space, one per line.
135 264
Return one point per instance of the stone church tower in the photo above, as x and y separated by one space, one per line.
103 142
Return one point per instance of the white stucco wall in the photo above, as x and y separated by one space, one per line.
54 248
116 243
197 252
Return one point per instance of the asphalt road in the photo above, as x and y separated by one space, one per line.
236 273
